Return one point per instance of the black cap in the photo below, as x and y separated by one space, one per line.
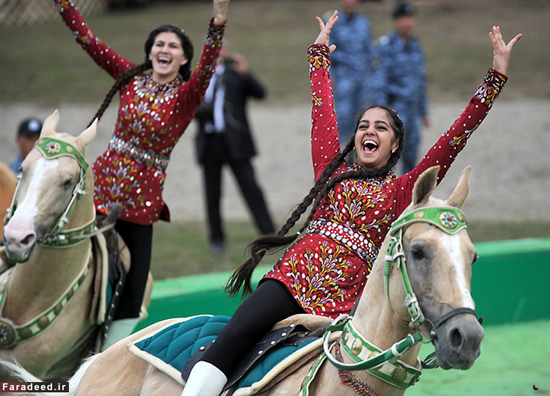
403 9
30 128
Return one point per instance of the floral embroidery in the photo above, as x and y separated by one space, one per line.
463 137
318 102
489 90
318 57
325 269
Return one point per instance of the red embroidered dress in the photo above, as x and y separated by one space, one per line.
151 119
326 270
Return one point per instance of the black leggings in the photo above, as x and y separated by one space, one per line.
139 239
267 305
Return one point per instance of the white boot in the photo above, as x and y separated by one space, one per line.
118 330
205 379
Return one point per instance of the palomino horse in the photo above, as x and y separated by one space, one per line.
50 316
7 188
419 289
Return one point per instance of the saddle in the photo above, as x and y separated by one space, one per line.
175 349
113 263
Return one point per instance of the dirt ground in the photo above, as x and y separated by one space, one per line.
509 155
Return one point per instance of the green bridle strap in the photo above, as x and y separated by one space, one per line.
53 148
384 365
12 334
398 350
450 220
447 219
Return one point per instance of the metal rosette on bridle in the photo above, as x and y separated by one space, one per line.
8 334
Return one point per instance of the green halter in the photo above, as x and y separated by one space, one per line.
53 148
447 219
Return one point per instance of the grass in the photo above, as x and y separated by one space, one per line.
512 363
181 248
42 64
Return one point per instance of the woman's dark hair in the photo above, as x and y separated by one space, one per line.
271 243
185 70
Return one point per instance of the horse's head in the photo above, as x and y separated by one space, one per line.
439 256
53 177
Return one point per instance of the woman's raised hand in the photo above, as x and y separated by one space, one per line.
220 11
324 34
501 50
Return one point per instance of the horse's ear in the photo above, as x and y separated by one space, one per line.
50 125
425 186
462 189
87 136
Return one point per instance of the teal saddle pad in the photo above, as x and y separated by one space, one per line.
176 343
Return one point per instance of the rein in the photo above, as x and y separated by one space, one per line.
385 365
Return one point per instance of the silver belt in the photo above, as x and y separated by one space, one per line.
138 154
345 235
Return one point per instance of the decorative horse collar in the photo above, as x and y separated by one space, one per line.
12 334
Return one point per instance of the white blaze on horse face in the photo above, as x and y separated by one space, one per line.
29 207
453 245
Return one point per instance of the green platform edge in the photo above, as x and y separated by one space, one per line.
510 284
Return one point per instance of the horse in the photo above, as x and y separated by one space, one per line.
419 288
7 188
53 298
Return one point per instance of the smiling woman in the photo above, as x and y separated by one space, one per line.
155 109
167 56
375 138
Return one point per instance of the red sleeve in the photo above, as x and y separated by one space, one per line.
101 53
453 141
324 131
192 93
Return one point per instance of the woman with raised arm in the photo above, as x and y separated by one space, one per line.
324 272
158 100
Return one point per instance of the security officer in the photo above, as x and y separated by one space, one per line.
350 65
399 79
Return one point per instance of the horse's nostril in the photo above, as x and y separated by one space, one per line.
28 240
456 338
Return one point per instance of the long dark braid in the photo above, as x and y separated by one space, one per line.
122 78
241 278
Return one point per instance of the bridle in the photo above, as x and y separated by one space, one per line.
385 364
58 236
447 219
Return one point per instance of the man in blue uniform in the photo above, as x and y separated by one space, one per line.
351 66
399 79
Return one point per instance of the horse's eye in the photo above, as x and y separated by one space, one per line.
475 258
67 183
417 253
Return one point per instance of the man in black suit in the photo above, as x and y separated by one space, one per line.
224 137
